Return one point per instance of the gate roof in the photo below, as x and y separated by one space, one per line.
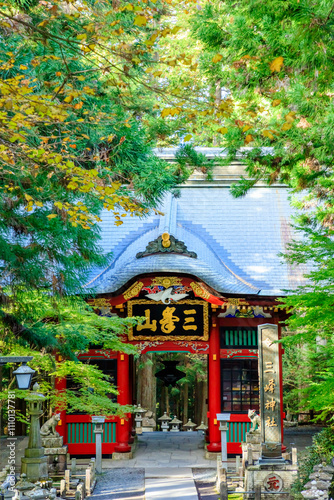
237 241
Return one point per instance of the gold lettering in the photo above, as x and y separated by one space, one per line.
270 387
189 320
270 405
270 422
147 325
270 367
167 323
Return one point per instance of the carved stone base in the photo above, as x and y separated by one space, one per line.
36 469
57 459
253 437
52 442
56 453
271 478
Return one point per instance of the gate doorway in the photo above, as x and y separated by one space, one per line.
186 399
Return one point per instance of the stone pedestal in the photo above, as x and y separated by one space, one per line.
273 478
56 453
251 450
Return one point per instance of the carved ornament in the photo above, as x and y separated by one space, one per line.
133 291
159 246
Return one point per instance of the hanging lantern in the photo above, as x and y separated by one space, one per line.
170 374
23 375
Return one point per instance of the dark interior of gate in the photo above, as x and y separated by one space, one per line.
203 272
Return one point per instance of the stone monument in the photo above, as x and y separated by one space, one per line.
148 423
264 464
55 450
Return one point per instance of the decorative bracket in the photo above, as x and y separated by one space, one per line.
162 244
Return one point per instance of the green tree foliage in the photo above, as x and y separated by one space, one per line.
40 325
321 451
275 61
73 91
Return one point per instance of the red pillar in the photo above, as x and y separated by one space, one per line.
123 398
214 387
60 386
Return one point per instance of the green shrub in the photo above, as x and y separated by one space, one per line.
321 451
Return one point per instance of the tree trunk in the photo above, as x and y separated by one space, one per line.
167 401
200 401
146 382
185 402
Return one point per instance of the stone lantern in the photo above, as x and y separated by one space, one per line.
175 424
189 426
98 422
202 428
34 462
139 412
165 419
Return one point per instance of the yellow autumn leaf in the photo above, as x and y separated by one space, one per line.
58 204
165 112
51 216
249 138
222 130
267 133
176 29
187 137
276 64
290 117
38 203
246 127
217 58
22 66
276 102
28 197
140 21
82 36
286 126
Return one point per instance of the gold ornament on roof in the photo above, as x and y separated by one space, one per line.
165 240
133 291
167 281
199 291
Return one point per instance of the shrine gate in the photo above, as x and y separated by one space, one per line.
204 272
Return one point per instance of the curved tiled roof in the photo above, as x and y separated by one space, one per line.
237 241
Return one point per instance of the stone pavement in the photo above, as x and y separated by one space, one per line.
162 469
169 466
